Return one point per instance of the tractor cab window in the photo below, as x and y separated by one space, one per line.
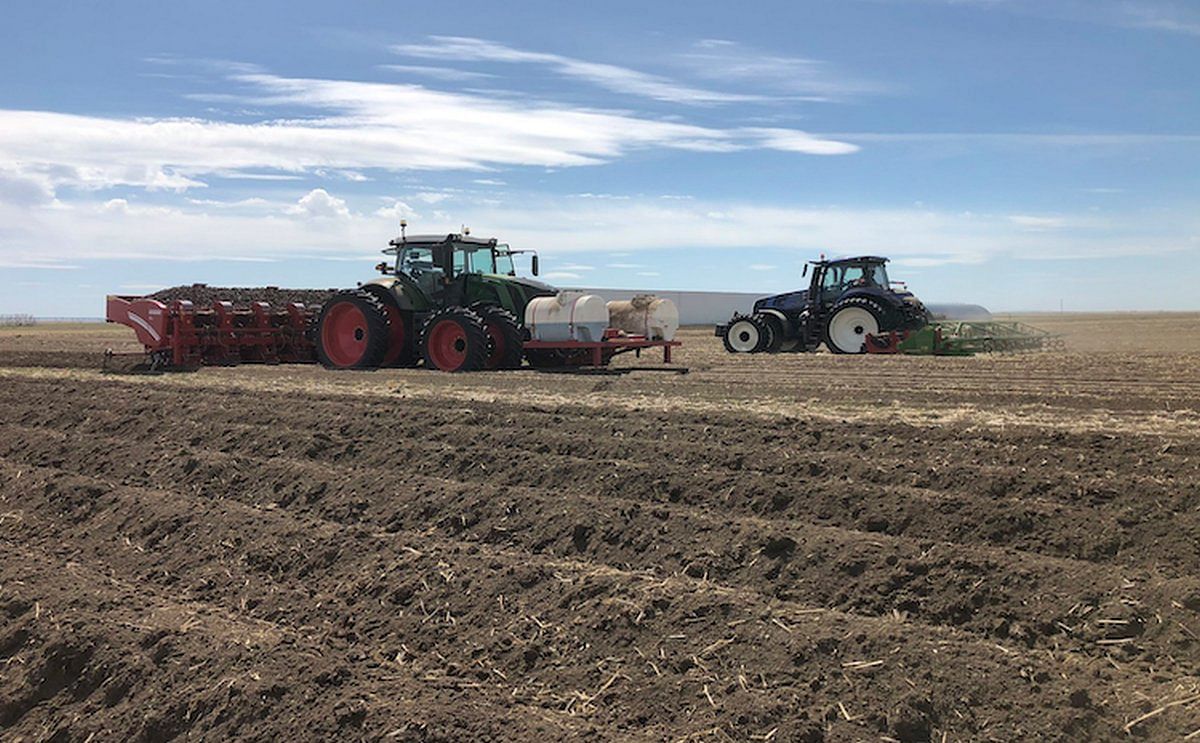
418 263
482 259
473 259
504 264
831 282
854 276
838 279
462 260
879 276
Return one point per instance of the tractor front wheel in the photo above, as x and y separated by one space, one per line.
352 331
747 335
454 340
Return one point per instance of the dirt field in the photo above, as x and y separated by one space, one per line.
772 548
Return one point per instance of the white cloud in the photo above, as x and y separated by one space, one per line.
360 126
432 197
397 210
574 231
318 203
608 76
21 189
560 275
437 73
761 267
1018 139
790 140
774 75
1031 222
239 204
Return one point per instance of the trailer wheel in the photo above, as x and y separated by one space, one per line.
352 331
454 340
850 322
505 338
747 335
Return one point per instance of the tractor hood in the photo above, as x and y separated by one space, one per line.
788 302
529 287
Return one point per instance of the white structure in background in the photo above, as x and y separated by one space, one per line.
710 308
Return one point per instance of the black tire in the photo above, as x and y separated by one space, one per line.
734 343
855 305
775 333
454 340
370 329
506 339
402 332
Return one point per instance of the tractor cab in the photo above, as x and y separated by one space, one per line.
832 279
436 271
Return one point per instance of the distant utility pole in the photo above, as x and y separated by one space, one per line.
1060 306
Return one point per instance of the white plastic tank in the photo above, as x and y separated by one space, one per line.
567 316
647 315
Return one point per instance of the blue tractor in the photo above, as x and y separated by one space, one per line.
847 300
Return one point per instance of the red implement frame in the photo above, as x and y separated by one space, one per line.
182 336
179 335
599 353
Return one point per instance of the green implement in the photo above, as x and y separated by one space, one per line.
965 339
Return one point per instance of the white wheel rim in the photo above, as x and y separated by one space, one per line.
743 336
849 328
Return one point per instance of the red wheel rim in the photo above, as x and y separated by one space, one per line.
448 345
344 334
496 334
396 335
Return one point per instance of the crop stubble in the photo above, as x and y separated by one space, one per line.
773 548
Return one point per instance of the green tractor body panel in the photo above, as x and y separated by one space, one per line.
509 292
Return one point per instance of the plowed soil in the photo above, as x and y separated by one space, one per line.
782 548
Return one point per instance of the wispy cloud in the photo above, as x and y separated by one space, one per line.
1053 139
611 77
356 126
437 73
1035 222
1155 15
320 223
772 75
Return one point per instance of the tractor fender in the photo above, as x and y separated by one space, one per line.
393 290
783 324
891 304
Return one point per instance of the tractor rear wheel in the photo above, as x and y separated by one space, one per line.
747 335
401 344
454 340
352 331
506 341
850 322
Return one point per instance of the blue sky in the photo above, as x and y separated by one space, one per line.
1016 153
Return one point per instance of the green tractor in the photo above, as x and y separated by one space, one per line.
453 301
